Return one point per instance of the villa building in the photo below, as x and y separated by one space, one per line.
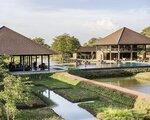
85 52
26 51
124 44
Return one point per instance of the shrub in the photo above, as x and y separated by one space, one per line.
116 114
99 106
142 105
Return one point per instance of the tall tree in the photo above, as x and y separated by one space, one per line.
91 42
40 41
146 31
65 44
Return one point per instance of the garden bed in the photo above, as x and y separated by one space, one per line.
114 95
100 105
77 94
38 114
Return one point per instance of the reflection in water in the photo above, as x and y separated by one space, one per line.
66 109
128 82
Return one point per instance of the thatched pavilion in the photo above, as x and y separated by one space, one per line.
124 44
26 50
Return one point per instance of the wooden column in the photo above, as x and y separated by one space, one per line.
36 61
118 52
110 52
144 56
41 59
48 63
23 64
131 57
31 62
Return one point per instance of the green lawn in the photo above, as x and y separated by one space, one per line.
52 84
62 78
38 114
47 81
77 94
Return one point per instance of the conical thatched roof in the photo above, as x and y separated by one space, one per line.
13 43
124 36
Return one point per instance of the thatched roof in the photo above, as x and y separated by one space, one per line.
13 43
124 36
87 49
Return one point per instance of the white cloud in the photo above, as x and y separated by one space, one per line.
84 24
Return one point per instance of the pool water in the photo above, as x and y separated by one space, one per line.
111 65
128 82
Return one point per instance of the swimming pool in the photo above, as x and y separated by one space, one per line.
113 65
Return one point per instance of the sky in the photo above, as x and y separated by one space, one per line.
83 19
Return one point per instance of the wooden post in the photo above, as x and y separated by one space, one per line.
23 64
36 61
31 62
110 52
118 52
131 57
41 59
48 63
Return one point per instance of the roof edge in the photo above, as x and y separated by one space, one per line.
121 34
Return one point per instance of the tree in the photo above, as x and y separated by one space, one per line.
146 31
14 91
41 41
65 44
91 42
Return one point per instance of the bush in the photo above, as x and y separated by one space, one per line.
99 106
116 114
142 105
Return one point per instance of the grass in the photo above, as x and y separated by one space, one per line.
77 94
38 114
143 76
62 78
52 84
47 81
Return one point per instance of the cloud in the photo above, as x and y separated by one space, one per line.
82 23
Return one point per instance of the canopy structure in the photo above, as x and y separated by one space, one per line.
15 44
124 36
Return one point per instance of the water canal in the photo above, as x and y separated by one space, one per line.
67 109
